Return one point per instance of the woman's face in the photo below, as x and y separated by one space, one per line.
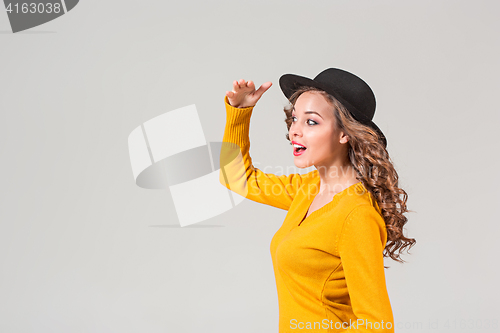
314 126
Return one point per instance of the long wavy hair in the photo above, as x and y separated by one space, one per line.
374 169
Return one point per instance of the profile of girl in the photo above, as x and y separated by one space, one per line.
342 218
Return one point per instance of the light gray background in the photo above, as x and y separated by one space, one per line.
83 249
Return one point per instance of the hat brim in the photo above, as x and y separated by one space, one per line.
289 83
379 132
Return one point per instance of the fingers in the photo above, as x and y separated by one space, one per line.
236 86
244 93
263 88
248 87
242 84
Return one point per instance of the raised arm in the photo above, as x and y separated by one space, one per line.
361 248
237 171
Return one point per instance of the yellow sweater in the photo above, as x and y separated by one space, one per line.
329 266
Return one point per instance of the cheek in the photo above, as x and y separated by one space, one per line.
326 139
325 143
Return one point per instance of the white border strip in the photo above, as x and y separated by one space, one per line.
64 6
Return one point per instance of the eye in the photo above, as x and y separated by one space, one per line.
309 120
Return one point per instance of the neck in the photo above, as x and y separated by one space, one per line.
336 177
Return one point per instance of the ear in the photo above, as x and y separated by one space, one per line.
344 138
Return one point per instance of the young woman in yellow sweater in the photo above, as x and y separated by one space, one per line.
343 217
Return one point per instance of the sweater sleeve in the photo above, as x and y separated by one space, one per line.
361 246
237 172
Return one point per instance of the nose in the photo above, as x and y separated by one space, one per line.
295 130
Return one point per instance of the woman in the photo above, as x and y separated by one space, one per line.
343 217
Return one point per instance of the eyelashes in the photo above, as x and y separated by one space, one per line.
315 123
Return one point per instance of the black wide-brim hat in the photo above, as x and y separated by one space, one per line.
347 88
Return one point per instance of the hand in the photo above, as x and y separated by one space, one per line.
244 94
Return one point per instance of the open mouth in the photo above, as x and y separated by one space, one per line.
298 149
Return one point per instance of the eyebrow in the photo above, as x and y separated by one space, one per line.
293 110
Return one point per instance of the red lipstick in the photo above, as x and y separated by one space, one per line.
297 150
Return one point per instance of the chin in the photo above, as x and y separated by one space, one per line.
302 165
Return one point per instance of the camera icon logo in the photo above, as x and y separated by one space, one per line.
170 151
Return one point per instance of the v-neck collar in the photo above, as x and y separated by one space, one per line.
357 187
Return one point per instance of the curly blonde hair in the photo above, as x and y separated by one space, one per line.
374 169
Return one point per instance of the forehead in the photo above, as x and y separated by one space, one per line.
313 101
